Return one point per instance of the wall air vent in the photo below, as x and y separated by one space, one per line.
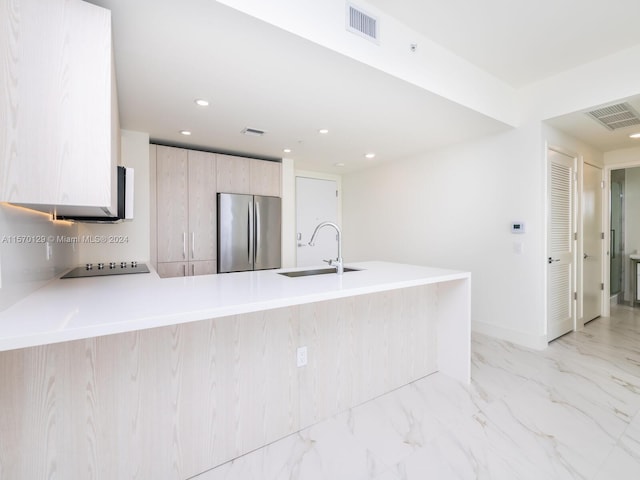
616 116
362 23
253 132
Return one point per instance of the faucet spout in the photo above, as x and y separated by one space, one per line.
338 261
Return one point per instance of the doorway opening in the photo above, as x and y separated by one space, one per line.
616 237
624 235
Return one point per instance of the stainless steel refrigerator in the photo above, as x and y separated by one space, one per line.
248 232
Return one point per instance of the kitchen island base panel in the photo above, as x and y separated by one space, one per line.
173 402
362 347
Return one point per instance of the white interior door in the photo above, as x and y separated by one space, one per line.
560 244
592 271
316 202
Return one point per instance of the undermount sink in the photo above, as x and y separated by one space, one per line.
316 271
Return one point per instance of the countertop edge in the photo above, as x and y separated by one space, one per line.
156 321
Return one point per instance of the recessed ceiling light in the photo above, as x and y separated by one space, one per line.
201 102
634 135
185 132
323 131
370 155
340 164
287 150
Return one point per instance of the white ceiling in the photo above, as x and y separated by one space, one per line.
255 75
521 42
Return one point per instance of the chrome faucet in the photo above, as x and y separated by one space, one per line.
338 261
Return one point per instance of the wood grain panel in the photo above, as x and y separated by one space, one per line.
233 174
56 103
202 206
266 178
173 269
172 203
208 267
175 401
118 408
267 396
361 347
153 206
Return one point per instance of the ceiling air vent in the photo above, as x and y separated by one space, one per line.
254 132
362 23
616 116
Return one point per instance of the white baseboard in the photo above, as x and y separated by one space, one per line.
535 342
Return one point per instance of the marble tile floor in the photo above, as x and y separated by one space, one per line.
571 411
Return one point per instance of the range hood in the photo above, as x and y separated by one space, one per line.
124 208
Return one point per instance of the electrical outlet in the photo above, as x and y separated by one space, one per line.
301 356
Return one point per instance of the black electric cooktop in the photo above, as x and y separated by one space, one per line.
103 269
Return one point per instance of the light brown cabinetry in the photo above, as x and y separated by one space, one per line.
248 175
60 127
186 269
233 174
206 392
185 232
186 212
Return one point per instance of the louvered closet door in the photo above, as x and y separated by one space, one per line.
561 244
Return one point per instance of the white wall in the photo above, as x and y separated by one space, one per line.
24 235
626 157
431 67
602 81
24 263
288 214
129 240
453 208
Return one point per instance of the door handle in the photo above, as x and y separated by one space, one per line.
585 256
250 238
553 260
258 241
193 245
184 245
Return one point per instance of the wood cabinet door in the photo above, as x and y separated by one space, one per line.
186 269
202 205
203 268
56 104
172 204
233 174
265 178
173 269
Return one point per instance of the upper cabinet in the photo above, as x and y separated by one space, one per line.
265 178
59 142
233 174
248 175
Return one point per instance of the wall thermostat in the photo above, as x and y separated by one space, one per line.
517 227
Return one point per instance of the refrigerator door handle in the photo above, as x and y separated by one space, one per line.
251 233
258 244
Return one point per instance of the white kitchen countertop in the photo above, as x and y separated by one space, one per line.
77 308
